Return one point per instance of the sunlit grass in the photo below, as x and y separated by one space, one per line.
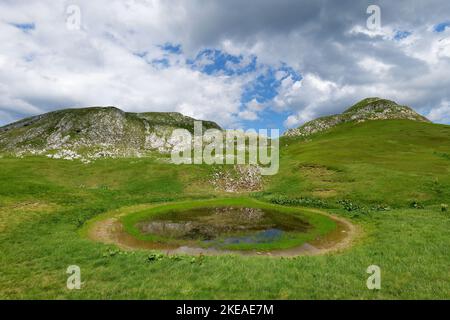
44 203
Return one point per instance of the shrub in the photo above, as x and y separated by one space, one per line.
348 205
153 257
305 202
198 259
175 257
380 207
416 205
110 253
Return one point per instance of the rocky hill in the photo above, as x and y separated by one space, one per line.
96 132
365 110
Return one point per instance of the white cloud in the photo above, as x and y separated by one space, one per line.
341 62
248 115
254 105
441 113
375 66
311 96
412 71
384 32
298 119
52 67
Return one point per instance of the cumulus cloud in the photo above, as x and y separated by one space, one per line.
312 96
301 59
441 114
248 115
45 69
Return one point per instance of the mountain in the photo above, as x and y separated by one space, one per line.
95 132
365 110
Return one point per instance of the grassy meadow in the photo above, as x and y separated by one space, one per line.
390 178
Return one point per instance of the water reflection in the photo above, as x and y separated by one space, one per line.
226 225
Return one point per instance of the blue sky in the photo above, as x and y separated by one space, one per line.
400 35
261 87
440 27
24 26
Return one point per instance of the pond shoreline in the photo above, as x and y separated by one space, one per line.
111 231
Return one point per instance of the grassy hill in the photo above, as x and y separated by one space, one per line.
388 177
365 110
389 162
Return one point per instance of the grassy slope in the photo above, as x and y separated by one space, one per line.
43 204
391 162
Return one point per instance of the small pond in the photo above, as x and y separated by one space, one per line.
221 226
224 227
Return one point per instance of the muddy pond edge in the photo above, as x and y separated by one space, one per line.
127 216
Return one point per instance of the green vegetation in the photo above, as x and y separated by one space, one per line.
371 173
390 162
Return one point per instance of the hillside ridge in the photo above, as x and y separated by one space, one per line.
94 132
368 109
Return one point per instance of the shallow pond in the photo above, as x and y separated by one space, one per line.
224 226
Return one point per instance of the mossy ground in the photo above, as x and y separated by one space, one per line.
44 203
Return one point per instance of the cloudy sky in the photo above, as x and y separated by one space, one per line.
252 64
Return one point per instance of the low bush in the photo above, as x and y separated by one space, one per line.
304 202
416 205
348 205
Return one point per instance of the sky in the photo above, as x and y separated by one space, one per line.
244 64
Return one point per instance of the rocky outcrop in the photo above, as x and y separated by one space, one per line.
92 133
365 110
239 178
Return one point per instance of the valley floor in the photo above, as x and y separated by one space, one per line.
44 203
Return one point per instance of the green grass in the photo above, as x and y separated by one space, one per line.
392 162
45 203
